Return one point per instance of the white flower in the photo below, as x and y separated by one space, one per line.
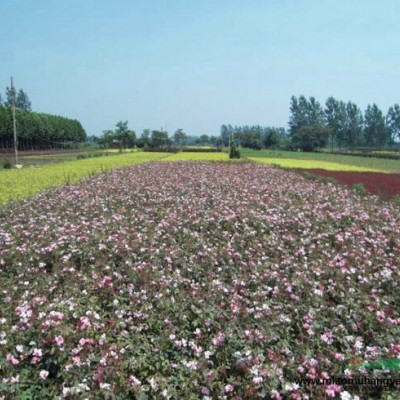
105 386
44 374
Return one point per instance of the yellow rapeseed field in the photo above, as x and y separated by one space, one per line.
17 184
197 157
312 164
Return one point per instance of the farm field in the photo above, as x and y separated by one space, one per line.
311 164
196 280
197 157
43 157
17 184
379 176
294 159
383 185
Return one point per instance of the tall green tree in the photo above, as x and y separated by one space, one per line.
233 150
393 121
311 137
179 137
159 138
226 131
203 139
121 136
376 133
9 96
124 135
304 113
271 138
335 117
353 126
144 140
22 101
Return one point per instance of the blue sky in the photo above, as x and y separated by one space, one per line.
197 64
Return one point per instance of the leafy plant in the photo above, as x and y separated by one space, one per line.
233 150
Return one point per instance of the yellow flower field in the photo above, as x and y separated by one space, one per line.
312 164
197 157
17 184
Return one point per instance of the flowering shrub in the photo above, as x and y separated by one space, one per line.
195 281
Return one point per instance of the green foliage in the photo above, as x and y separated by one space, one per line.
253 137
376 132
7 164
159 138
392 364
38 130
179 137
233 150
22 101
120 137
396 200
305 113
353 129
393 121
271 139
309 138
359 188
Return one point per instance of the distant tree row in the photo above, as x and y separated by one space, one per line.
38 130
341 124
253 137
123 137
35 130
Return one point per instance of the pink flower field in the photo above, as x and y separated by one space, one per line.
195 280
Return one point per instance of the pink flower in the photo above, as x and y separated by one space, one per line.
339 356
76 360
327 337
134 381
205 391
275 395
332 390
59 340
11 359
380 316
257 380
228 388
44 374
84 323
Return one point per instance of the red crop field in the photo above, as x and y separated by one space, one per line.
385 185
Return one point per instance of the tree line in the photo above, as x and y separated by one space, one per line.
341 125
253 137
123 137
35 130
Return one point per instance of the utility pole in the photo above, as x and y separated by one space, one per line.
14 122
